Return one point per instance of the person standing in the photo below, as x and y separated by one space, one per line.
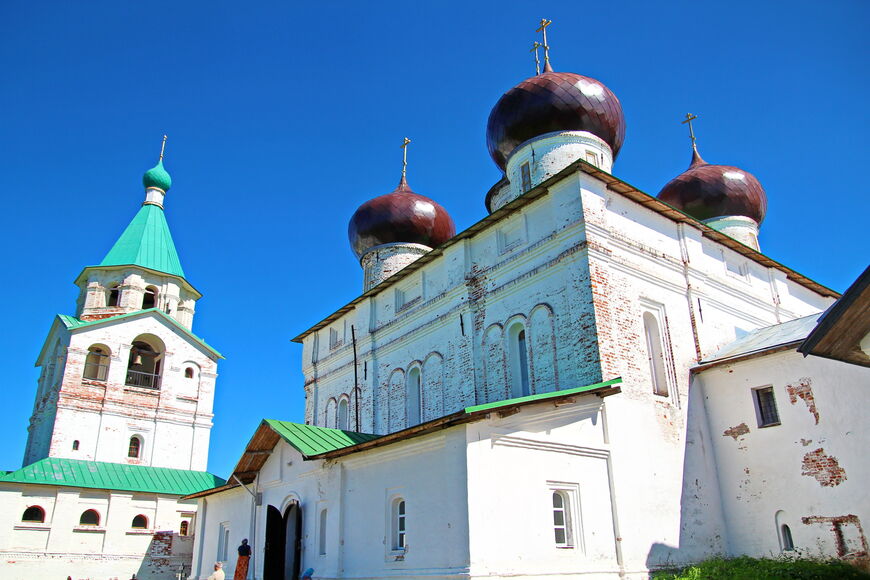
243 561
218 572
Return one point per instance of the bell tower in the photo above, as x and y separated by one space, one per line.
125 380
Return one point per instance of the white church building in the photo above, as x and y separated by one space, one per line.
590 381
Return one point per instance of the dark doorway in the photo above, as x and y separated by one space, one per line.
293 543
276 539
282 559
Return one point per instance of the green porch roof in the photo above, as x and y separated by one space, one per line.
311 440
542 396
73 323
115 476
147 243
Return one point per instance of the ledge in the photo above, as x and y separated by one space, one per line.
92 529
32 526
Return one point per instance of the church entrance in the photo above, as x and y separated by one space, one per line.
282 559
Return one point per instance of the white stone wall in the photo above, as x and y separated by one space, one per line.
59 546
810 471
173 421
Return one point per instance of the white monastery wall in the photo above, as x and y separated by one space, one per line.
815 481
59 546
173 421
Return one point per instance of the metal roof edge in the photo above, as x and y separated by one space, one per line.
613 184
772 349
832 315
212 491
57 321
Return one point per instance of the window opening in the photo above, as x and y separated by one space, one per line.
90 518
33 514
787 543
399 523
114 296
655 354
322 538
143 367
188 373
561 520
135 447
96 364
140 522
519 357
149 298
766 405
182 530
343 414
524 363
76 445
526 176
412 396
592 157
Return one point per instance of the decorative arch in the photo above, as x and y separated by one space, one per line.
342 420
329 419
542 349
145 363
433 386
495 379
396 401
97 362
517 336
414 394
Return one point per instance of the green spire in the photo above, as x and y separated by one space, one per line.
158 177
146 242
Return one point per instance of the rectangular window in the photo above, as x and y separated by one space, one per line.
399 522
526 176
322 534
592 157
333 338
765 406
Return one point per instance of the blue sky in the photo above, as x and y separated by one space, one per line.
283 117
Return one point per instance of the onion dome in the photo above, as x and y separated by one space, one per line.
157 177
553 101
399 217
706 191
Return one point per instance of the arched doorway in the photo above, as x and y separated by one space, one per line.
282 558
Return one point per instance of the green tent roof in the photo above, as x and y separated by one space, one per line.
147 243
115 476
311 440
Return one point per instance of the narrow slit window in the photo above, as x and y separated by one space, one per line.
562 520
134 450
655 354
322 538
114 296
75 445
343 414
399 525
413 398
526 176
787 543
182 530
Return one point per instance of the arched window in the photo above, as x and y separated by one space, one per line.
330 414
188 373
412 397
140 522
76 445
33 514
143 366
149 298
519 357
134 450
322 535
787 542
182 530
97 363
399 517
343 414
655 354
562 520
114 296
90 518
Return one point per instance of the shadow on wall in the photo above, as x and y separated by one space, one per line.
167 555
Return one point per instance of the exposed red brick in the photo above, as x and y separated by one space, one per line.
837 524
736 432
824 468
804 391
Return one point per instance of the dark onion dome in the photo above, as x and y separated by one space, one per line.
707 191
553 101
401 216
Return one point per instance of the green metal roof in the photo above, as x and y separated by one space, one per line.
311 440
147 243
73 323
116 476
542 396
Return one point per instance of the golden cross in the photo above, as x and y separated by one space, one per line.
689 118
543 28
405 156
162 147
535 48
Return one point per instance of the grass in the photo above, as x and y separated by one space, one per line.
746 568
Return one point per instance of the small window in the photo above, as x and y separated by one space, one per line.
592 157
343 415
114 296
526 176
655 354
182 530
149 298
76 445
188 373
140 522
90 518
765 405
787 543
562 520
399 524
135 447
322 535
96 363
33 514
333 338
